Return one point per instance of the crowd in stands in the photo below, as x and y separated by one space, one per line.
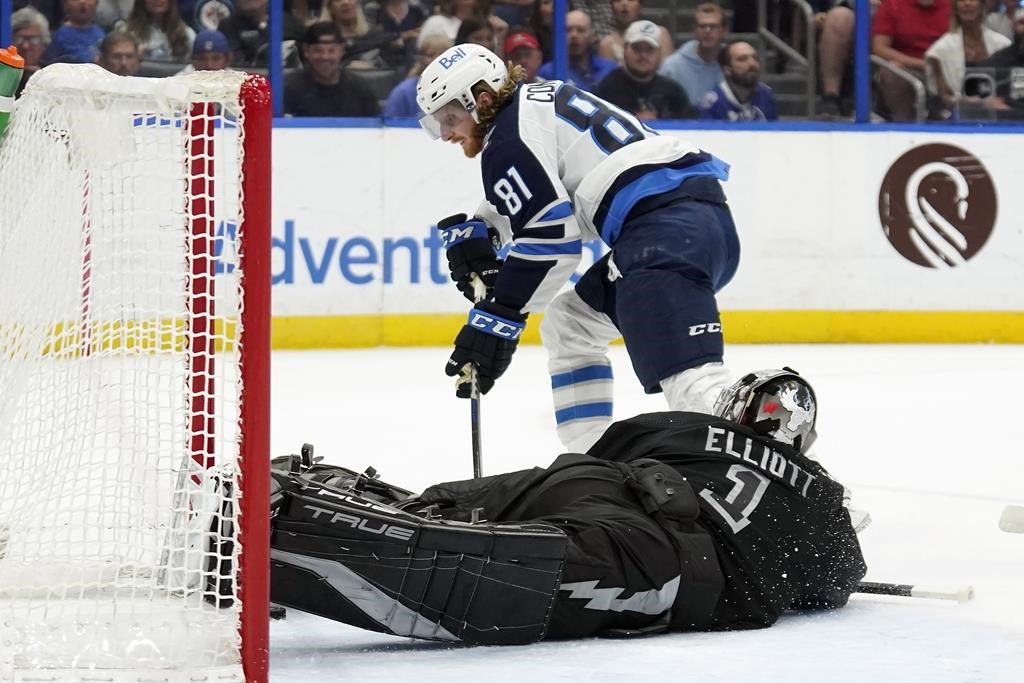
362 57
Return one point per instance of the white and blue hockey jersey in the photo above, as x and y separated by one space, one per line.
561 166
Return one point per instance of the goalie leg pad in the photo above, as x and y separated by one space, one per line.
352 559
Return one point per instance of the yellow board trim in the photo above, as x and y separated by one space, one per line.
741 327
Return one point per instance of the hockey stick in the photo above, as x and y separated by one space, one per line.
906 590
479 293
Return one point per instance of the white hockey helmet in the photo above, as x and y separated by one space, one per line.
451 77
777 403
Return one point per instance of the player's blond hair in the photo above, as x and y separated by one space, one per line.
486 114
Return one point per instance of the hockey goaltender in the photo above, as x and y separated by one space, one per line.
671 522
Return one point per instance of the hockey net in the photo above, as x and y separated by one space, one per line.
134 344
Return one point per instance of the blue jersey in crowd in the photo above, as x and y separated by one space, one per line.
722 104
685 67
76 44
597 69
402 100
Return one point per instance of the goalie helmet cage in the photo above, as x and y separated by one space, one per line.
134 362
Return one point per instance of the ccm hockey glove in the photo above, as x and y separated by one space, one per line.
470 252
487 340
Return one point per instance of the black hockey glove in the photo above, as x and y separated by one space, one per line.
487 340
471 251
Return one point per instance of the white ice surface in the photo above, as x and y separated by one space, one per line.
928 438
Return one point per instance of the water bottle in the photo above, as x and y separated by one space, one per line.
11 65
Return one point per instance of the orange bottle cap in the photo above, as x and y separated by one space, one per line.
10 57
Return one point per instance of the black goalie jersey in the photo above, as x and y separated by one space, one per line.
784 538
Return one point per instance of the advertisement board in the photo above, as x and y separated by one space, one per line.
846 236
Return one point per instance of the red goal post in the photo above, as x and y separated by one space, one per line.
134 356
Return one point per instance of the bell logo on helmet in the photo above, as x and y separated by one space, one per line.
440 83
452 59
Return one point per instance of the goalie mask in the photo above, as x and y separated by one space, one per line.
450 79
777 403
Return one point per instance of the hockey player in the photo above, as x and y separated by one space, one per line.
673 521
561 166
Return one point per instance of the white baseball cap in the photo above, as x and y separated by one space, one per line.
643 31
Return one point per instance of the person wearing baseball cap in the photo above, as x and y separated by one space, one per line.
636 86
211 51
523 48
624 14
323 87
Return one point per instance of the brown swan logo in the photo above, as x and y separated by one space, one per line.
937 205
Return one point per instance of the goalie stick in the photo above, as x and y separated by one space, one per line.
906 590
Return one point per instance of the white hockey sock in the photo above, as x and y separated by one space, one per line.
583 404
696 389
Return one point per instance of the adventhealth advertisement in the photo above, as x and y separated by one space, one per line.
835 226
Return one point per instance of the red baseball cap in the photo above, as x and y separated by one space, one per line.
518 40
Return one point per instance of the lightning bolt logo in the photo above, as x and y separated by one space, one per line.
654 601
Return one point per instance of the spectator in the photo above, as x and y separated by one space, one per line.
625 12
586 69
1008 63
210 52
513 12
901 32
542 26
968 42
78 40
110 12
797 38
1013 55
30 33
402 18
478 32
1002 21
53 10
636 86
523 49
835 51
600 13
695 65
307 11
162 35
366 45
119 54
498 25
453 12
206 14
402 100
741 96
323 88
248 35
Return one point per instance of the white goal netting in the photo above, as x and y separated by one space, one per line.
122 325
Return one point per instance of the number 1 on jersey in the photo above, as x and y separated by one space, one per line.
742 499
503 188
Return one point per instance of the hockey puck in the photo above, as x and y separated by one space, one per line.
1012 519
